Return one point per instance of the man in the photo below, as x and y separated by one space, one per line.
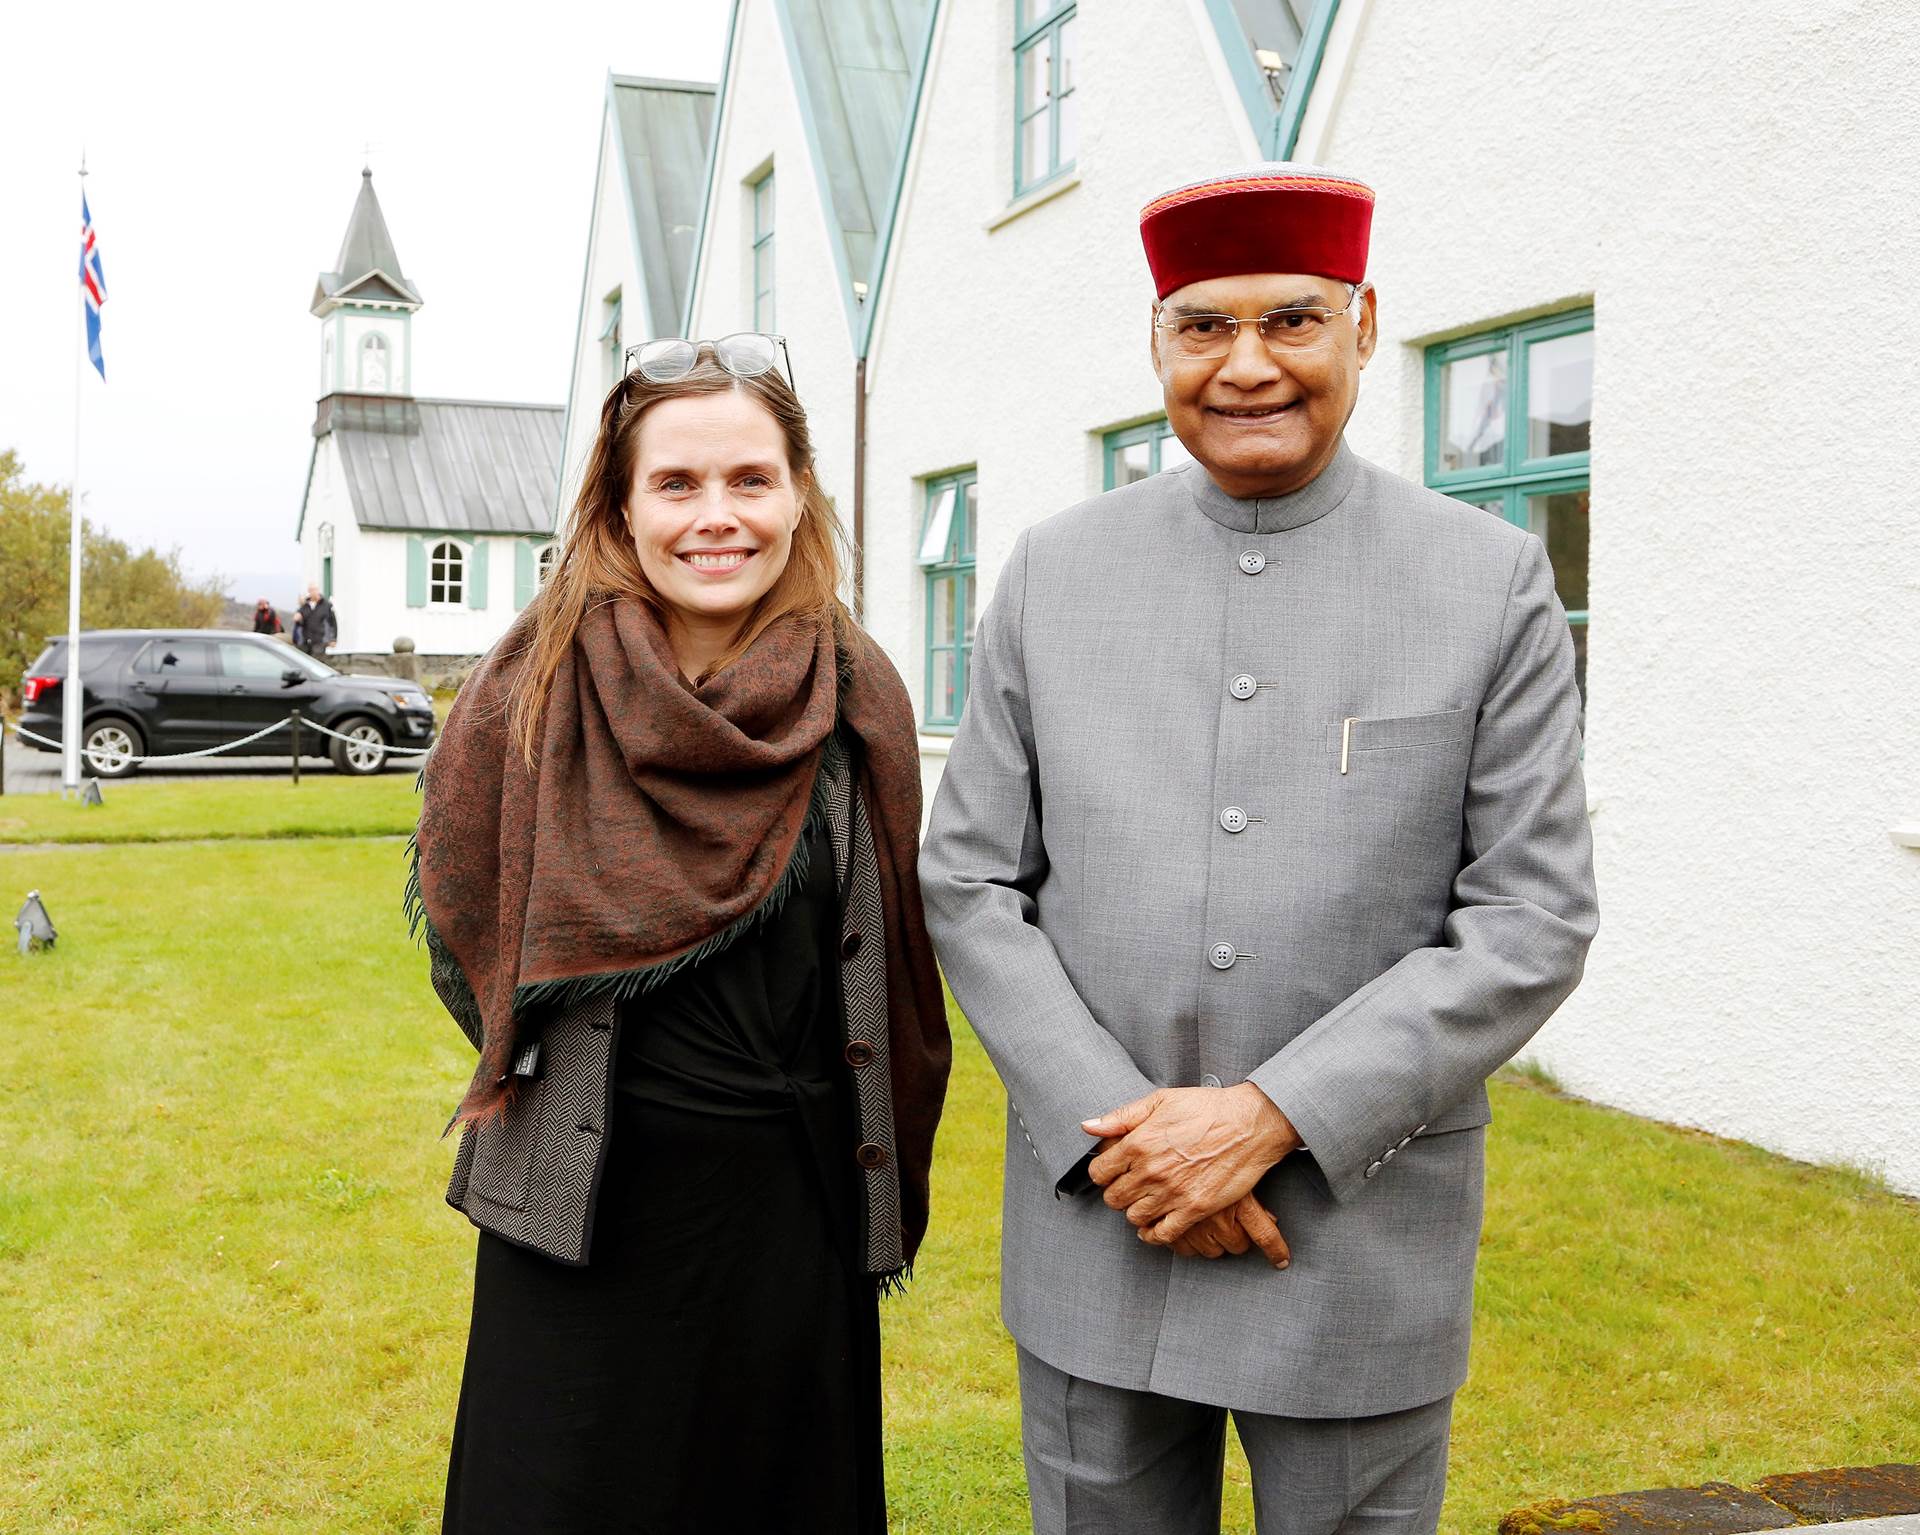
1261 845
316 623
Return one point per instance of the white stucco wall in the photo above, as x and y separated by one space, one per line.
760 122
611 264
957 377
1723 183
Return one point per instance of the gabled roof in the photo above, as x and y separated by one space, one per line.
662 131
1273 50
465 466
366 252
856 69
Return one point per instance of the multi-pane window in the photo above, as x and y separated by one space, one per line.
946 555
1045 133
373 363
1137 452
763 253
1509 423
446 572
613 356
547 562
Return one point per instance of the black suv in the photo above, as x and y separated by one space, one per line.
150 692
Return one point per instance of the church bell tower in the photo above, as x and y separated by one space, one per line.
365 307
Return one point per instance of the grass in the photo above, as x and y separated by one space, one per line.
325 804
231 1298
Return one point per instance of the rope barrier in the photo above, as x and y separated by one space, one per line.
391 751
214 751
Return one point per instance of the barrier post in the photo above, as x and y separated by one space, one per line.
296 748
3 754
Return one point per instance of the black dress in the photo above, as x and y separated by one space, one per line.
716 1365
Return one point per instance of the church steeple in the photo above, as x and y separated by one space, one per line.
365 307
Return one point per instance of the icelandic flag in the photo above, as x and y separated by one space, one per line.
93 283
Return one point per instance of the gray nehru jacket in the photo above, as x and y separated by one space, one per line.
1284 791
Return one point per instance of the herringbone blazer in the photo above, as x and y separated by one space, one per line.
1284 791
533 1176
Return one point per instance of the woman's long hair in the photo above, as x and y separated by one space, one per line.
597 561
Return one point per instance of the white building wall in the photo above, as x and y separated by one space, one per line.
370 578
611 264
761 124
1014 343
1723 185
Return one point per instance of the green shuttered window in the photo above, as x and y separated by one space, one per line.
1509 418
947 536
532 564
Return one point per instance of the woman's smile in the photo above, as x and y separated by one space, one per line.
716 562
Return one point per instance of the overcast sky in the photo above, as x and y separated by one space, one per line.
224 145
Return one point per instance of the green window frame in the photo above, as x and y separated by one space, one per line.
1150 445
1512 479
1045 115
763 253
949 528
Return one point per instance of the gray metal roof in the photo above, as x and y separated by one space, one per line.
858 63
465 466
366 252
663 129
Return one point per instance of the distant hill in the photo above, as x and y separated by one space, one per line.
239 615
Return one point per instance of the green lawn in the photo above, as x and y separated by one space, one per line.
325 804
231 1298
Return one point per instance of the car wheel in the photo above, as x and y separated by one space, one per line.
111 748
364 750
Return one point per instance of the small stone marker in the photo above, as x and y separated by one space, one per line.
34 925
90 793
1887 1496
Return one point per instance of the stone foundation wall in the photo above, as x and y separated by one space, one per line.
437 673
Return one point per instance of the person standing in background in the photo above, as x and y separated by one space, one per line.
317 627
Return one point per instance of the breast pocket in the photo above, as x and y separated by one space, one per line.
1400 782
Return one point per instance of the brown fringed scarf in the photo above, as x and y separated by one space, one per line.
658 820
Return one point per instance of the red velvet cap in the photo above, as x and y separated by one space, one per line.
1272 218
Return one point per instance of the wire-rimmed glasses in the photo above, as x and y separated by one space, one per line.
1200 334
744 354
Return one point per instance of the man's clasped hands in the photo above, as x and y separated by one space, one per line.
1182 1163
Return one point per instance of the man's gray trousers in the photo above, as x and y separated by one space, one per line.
1102 1460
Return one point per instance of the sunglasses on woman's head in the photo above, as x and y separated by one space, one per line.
745 354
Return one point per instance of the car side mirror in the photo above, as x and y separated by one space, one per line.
291 678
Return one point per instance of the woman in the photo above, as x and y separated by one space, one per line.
666 866
266 620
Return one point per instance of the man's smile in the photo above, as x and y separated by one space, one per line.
1251 413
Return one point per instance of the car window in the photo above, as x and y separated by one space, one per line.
95 657
243 658
175 658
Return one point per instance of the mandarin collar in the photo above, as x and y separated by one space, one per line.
1276 514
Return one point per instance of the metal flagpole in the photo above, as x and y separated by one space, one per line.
70 700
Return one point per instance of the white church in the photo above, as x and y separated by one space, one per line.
1588 278
426 519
